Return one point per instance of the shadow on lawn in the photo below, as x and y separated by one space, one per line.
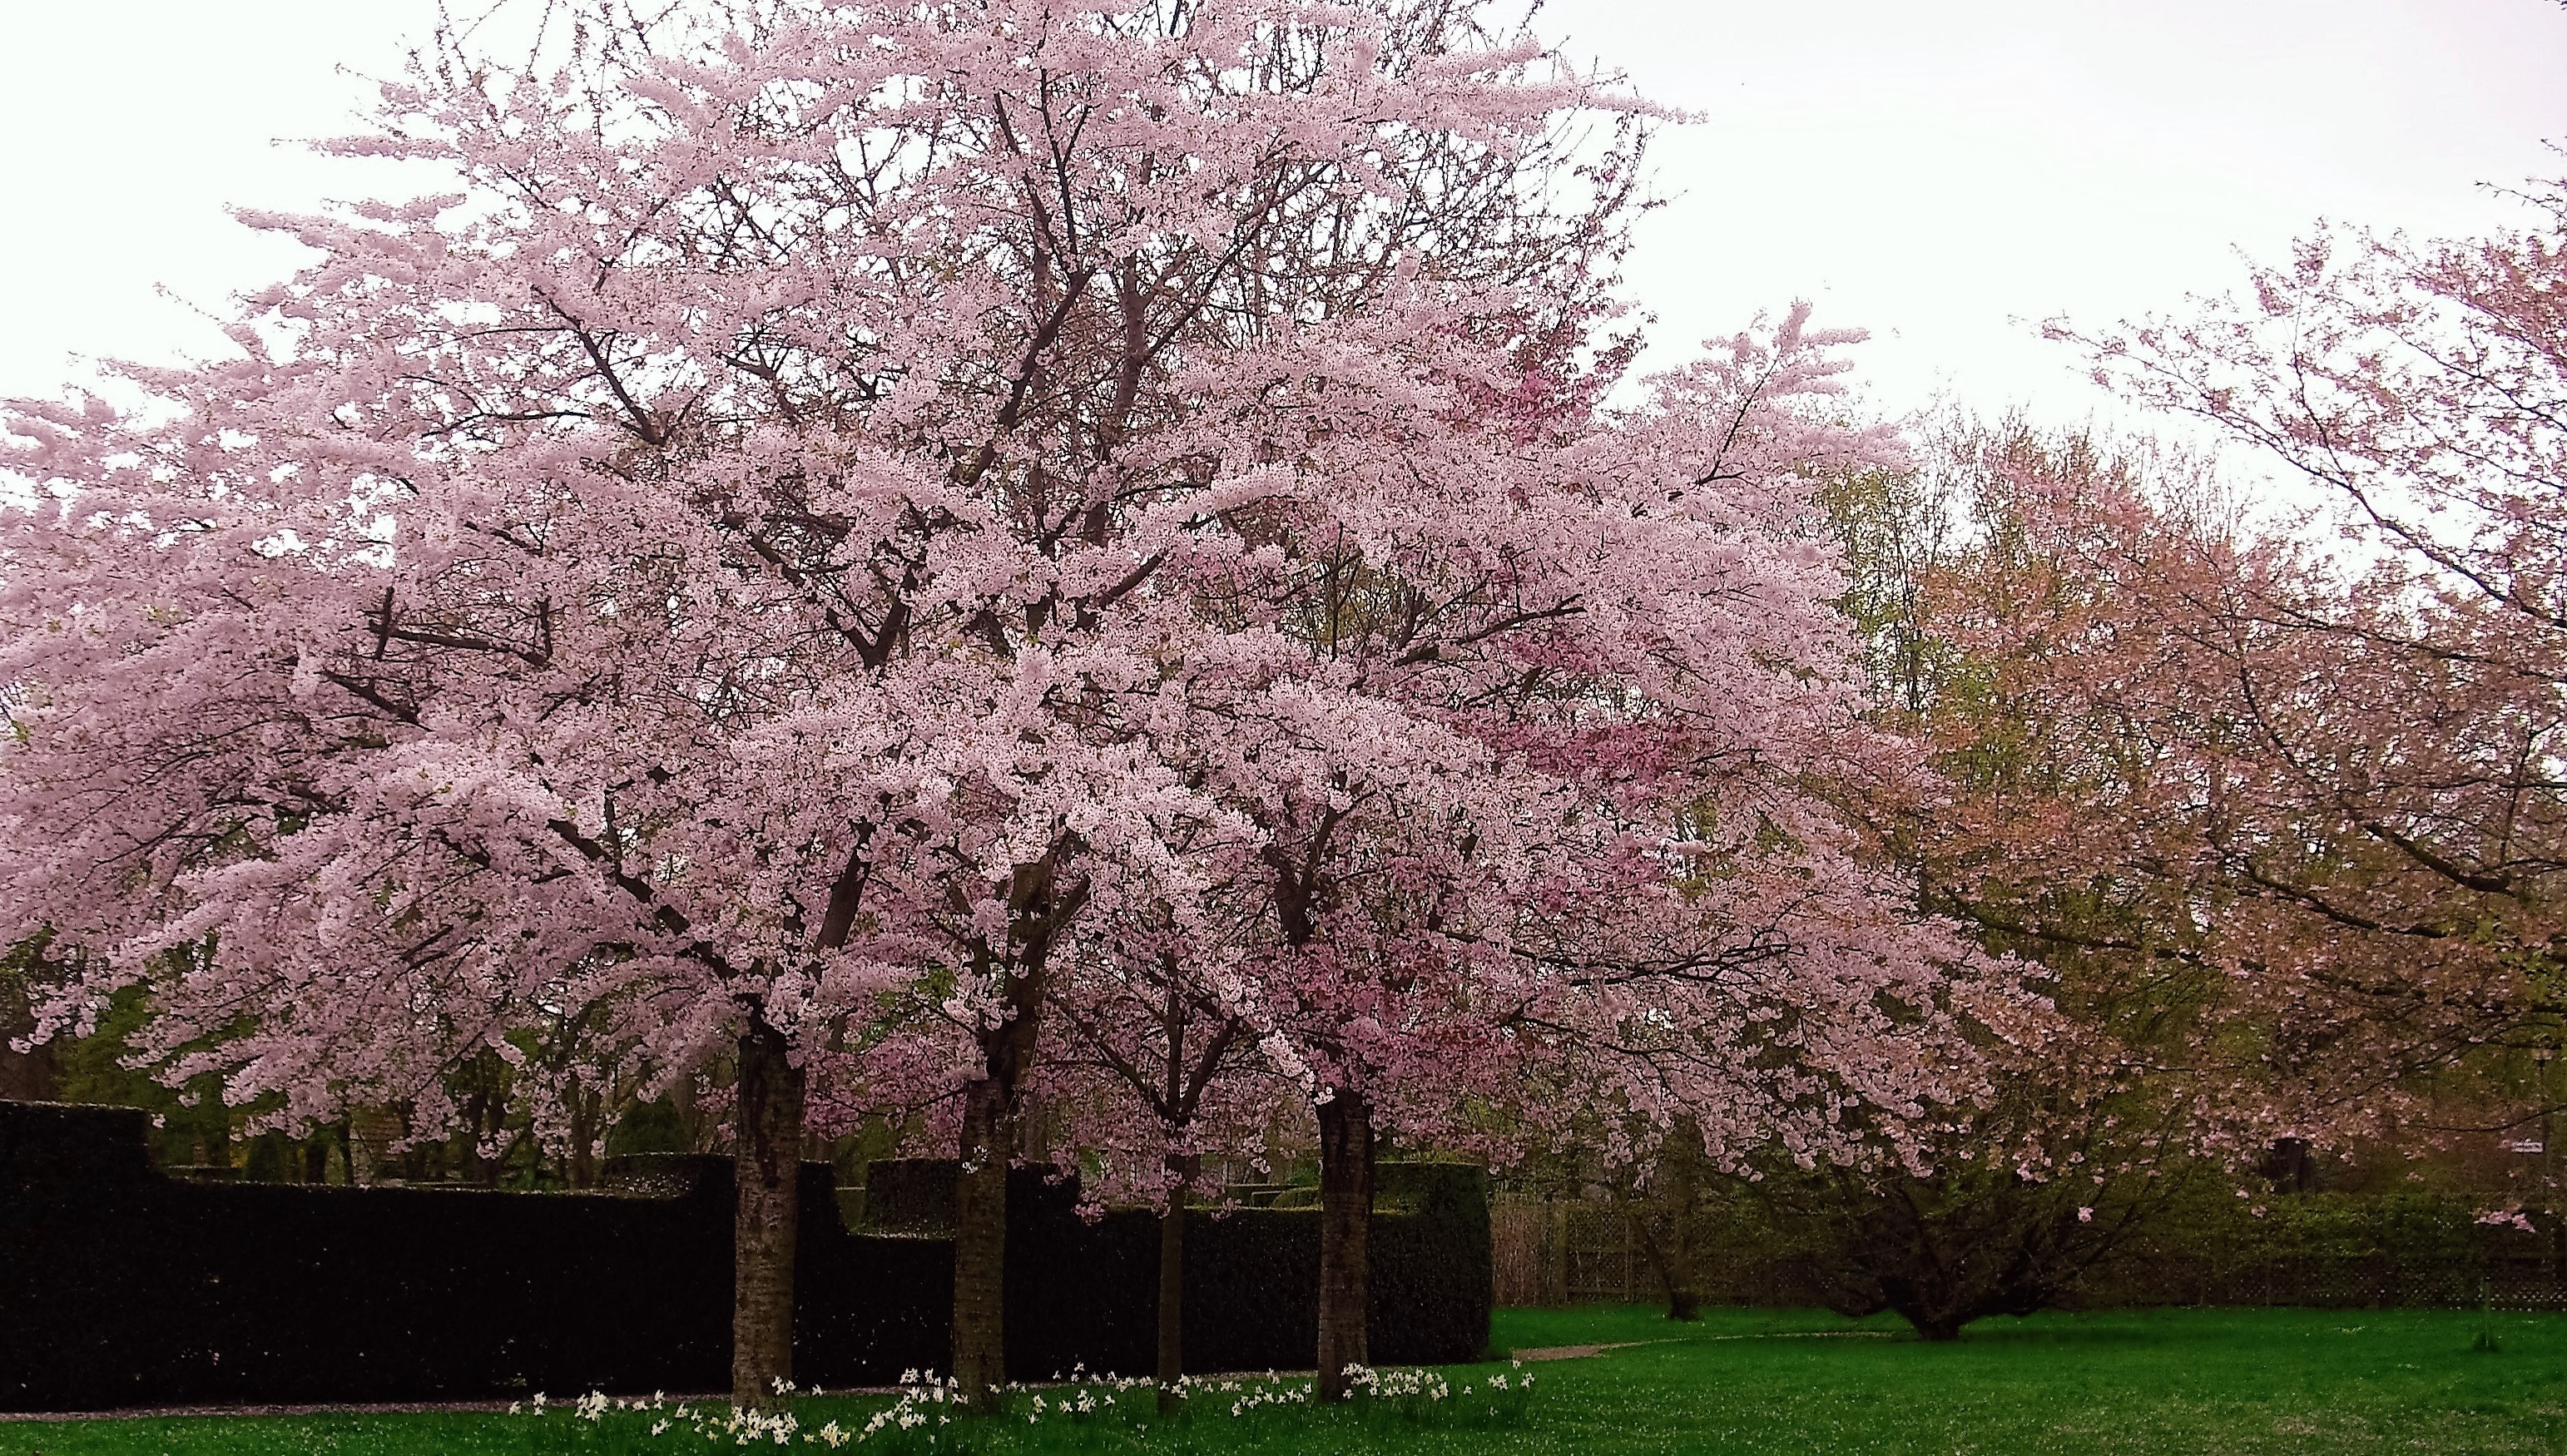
2049 1330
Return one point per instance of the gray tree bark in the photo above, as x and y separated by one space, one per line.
1181 1168
1345 1227
767 1161
1038 906
980 1243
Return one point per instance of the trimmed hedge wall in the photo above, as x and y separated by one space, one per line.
119 1287
1088 1292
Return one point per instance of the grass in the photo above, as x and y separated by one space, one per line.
2188 1381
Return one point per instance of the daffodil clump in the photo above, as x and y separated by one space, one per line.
926 1415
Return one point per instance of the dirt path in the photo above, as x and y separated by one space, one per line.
1581 1351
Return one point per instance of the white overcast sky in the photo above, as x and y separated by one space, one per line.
1945 174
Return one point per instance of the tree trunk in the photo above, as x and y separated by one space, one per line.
694 1130
484 1115
1346 1223
1037 906
25 1076
371 1131
1678 1192
1181 1168
1033 1129
581 1165
767 1161
980 1243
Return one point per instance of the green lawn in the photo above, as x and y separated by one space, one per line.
2177 1381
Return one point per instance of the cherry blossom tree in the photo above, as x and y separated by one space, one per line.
1528 754
2269 797
1159 1060
2383 783
1162 1053
707 568
847 504
2418 384
2227 790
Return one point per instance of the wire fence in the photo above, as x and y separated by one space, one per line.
1568 1252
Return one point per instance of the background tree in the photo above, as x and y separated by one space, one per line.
2400 700
2187 763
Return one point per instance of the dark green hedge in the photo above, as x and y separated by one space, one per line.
1089 1291
120 1287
